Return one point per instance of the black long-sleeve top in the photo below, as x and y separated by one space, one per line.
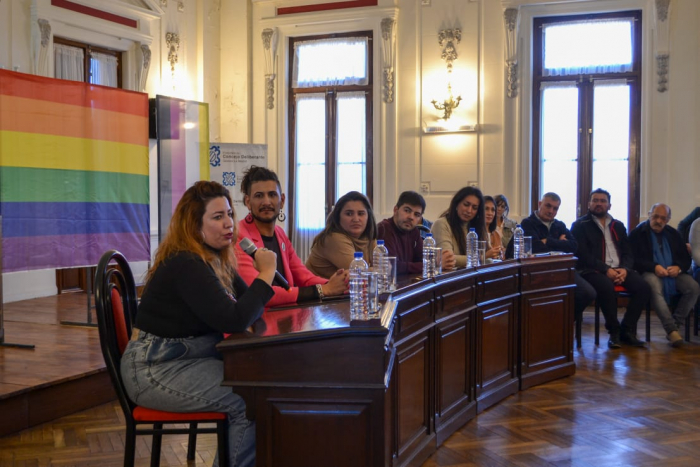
185 298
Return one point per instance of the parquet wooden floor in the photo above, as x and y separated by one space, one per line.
627 407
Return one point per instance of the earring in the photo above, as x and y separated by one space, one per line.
204 237
249 218
281 216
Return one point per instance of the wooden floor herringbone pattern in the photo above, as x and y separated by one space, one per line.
626 407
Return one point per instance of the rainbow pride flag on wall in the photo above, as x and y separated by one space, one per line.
73 173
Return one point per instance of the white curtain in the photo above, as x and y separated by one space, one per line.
68 62
310 174
587 47
330 62
103 69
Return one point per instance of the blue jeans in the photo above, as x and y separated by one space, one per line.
686 287
185 375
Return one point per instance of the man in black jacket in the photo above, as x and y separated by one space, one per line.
661 257
605 260
549 234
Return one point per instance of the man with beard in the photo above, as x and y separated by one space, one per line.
661 257
402 237
605 260
263 197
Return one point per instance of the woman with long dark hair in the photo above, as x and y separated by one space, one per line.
450 229
504 224
350 227
495 248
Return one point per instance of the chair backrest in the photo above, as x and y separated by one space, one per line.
115 301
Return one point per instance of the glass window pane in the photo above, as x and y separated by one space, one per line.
599 46
351 177
310 137
560 123
560 177
611 122
611 175
330 62
351 127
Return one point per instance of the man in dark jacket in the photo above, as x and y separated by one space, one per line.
549 234
605 260
661 257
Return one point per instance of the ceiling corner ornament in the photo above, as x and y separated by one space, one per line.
510 19
448 38
45 28
662 72
269 39
388 53
172 41
662 9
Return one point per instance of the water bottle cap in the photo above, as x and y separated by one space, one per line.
358 254
517 225
428 235
380 242
472 229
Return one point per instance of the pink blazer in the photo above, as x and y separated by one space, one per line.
294 270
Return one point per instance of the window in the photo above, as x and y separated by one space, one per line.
82 62
586 111
330 127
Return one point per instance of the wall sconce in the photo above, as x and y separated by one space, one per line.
269 38
172 41
388 49
447 39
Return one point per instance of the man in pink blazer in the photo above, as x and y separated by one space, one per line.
264 199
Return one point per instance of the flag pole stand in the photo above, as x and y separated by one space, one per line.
89 279
2 308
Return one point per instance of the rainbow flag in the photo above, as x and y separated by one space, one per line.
183 152
73 173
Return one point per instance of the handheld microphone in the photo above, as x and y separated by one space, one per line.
249 248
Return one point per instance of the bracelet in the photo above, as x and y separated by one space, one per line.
319 289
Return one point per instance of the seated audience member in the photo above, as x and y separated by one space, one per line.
450 229
685 224
402 237
264 199
505 225
495 245
549 234
193 295
605 260
695 248
350 227
661 257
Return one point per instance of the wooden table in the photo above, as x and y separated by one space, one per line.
328 391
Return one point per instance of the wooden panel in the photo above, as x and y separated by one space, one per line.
340 426
496 370
413 398
545 273
454 378
413 312
547 337
497 285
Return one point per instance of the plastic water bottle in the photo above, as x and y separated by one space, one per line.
428 256
358 286
472 248
380 262
519 242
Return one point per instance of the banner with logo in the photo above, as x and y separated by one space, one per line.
227 164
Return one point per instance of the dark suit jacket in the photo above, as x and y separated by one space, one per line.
640 238
534 228
591 245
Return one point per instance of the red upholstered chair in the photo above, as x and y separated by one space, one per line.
115 299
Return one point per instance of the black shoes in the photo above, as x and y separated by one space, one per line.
614 342
631 340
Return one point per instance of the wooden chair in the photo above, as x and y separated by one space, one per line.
115 299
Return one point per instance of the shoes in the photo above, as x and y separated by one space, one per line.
674 339
614 342
631 340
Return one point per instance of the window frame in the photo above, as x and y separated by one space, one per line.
87 49
331 93
585 86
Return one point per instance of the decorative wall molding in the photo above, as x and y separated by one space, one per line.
388 53
447 38
40 32
181 7
144 59
172 41
269 39
662 41
510 19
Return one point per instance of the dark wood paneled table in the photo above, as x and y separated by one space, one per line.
328 391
